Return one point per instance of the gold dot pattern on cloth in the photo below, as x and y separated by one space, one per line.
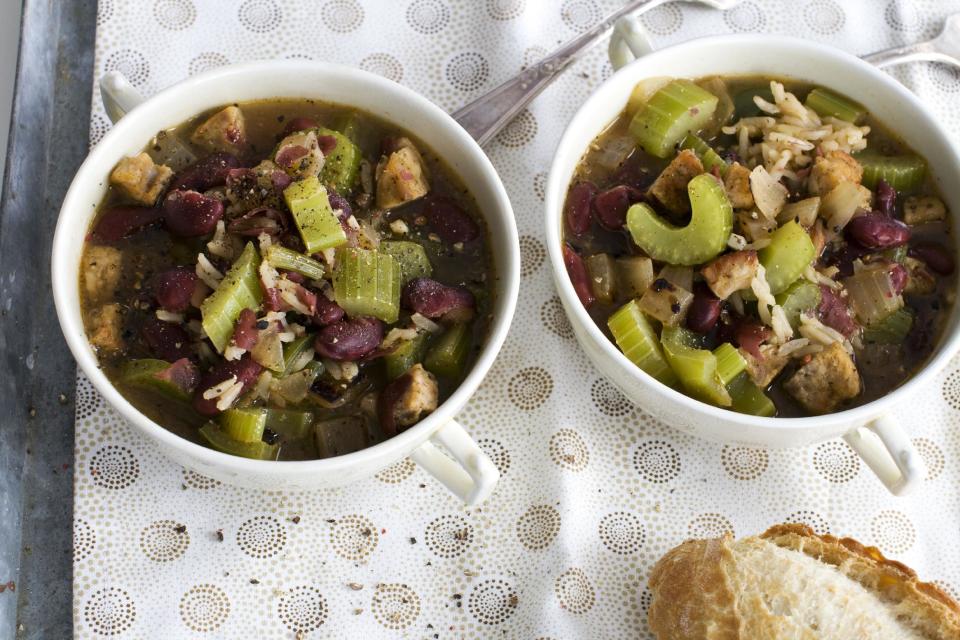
593 488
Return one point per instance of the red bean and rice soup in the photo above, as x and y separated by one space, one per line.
760 244
286 280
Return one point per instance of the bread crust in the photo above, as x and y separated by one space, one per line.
694 599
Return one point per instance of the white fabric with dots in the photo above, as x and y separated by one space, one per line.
593 490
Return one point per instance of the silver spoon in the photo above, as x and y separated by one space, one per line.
944 48
487 115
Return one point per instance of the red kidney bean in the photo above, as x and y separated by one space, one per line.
704 311
935 256
843 258
435 299
338 202
749 334
166 340
450 221
349 339
899 277
833 312
877 231
174 288
610 206
119 222
326 144
577 207
327 311
245 333
301 123
246 369
260 220
206 173
577 270
189 213
886 199
290 155
182 373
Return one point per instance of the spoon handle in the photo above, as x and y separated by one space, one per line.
487 115
910 53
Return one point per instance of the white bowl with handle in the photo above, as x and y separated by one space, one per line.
870 429
464 468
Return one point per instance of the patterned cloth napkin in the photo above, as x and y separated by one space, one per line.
593 489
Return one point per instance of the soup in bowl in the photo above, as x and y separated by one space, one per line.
290 291
758 249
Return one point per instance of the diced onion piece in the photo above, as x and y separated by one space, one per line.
769 195
872 295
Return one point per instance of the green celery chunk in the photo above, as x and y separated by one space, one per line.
638 340
146 373
903 173
749 398
705 152
730 363
696 368
448 354
290 423
341 168
827 103
788 254
220 441
405 355
244 425
412 258
367 283
679 108
293 349
800 296
891 330
701 240
239 290
318 225
279 257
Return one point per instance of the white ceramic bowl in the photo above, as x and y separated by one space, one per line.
469 473
883 444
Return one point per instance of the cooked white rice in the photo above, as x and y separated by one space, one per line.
790 137
208 273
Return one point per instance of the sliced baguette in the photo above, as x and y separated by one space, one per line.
794 584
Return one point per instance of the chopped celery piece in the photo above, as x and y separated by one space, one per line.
448 354
244 425
411 257
349 125
293 349
603 277
903 173
801 296
872 294
705 152
290 423
745 107
367 283
342 165
340 435
788 254
730 363
146 374
638 341
220 441
897 254
405 355
679 108
891 330
703 239
827 103
318 225
749 398
279 257
804 212
696 368
239 290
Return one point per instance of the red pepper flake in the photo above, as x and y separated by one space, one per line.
12 586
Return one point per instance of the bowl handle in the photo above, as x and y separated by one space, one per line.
628 42
118 95
885 447
467 472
